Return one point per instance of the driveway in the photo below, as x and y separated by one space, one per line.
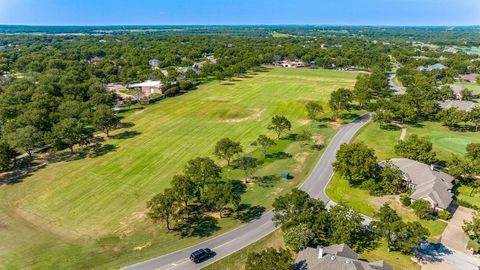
454 236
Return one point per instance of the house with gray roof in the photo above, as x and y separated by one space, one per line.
463 105
436 66
426 182
335 257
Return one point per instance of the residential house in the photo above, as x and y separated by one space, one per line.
463 105
426 182
450 50
291 64
95 60
148 87
457 90
335 257
436 66
470 77
154 63
114 87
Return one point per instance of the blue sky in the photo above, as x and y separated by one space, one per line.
164 12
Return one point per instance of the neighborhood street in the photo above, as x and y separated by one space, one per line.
247 234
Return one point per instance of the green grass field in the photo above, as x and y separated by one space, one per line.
475 87
95 207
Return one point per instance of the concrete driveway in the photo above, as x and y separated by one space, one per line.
454 236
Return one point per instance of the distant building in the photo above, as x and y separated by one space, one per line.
470 77
450 50
95 60
457 90
335 257
113 87
290 64
436 66
459 104
154 63
426 182
148 87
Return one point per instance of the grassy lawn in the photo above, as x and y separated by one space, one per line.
95 207
474 87
237 260
396 259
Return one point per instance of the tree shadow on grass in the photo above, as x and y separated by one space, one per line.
279 155
126 135
266 180
390 127
247 212
198 225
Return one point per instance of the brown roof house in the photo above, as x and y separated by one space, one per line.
335 257
426 182
470 77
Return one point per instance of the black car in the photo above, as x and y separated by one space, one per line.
201 255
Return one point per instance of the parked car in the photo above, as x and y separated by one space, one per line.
200 255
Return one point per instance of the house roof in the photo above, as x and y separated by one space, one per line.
335 257
147 84
456 88
470 77
463 105
432 67
429 183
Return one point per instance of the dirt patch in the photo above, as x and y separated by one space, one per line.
126 226
140 111
277 191
256 115
319 139
300 158
219 100
304 122
377 202
335 124
142 247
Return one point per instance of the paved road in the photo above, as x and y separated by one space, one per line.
392 85
247 234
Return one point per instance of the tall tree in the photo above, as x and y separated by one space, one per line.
184 188
7 154
247 164
202 170
227 149
417 148
361 90
280 124
105 119
69 132
263 143
421 208
346 226
472 228
26 138
298 237
164 207
222 194
474 117
356 160
340 100
270 258
387 224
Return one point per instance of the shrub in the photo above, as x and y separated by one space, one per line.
422 208
443 214
405 200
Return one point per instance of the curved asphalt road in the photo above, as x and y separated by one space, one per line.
249 233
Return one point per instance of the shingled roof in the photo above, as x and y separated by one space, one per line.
335 257
428 182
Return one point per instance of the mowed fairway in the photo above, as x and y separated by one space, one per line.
92 198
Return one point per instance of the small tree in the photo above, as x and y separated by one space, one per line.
405 200
163 207
472 228
451 117
298 237
263 143
466 94
6 156
280 124
346 225
269 258
304 137
247 164
313 109
421 208
387 224
444 214
104 119
474 117
227 149
473 151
